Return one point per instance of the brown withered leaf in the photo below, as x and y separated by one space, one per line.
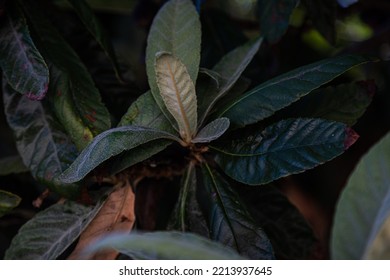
115 216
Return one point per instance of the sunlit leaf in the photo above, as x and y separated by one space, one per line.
8 201
21 63
178 93
287 147
364 205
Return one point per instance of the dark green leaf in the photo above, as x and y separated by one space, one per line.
51 231
44 148
229 221
145 112
364 205
108 144
287 147
165 246
72 85
212 131
22 64
277 93
12 164
8 201
230 69
88 18
345 103
175 30
274 17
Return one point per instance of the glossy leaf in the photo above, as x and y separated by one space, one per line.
145 112
212 131
44 148
230 68
50 232
108 144
287 147
277 93
364 205
93 25
274 17
12 164
8 201
229 221
71 81
166 246
21 63
115 216
345 103
178 93
176 30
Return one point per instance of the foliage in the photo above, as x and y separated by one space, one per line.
206 131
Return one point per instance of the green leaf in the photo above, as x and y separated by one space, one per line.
178 93
364 205
287 147
230 69
72 86
344 103
108 144
212 131
145 112
44 148
274 17
165 246
229 221
277 93
380 246
176 30
12 164
22 64
50 232
90 21
8 201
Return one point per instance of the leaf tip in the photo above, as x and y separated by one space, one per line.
351 138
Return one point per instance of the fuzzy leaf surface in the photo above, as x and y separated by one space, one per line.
44 148
166 246
176 30
50 232
178 93
277 93
287 147
23 66
364 205
108 144
8 201
229 221
212 131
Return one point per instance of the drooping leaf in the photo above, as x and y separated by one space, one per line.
21 63
44 148
93 25
345 103
229 221
12 164
108 144
145 112
364 205
166 246
287 147
50 232
176 30
230 69
71 81
8 201
178 93
274 17
212 131
115 216
277 93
